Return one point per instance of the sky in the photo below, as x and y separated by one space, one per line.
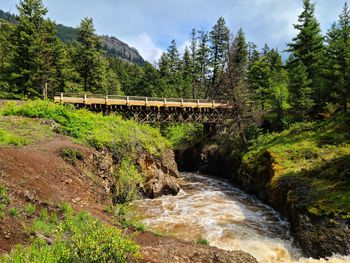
150 25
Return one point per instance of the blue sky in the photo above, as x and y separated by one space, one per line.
150 25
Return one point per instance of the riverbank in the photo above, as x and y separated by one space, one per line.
302 172
53 157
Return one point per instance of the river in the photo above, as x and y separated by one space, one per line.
226 217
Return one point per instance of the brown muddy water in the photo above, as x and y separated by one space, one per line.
227 217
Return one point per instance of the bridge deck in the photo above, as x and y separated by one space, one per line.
112 100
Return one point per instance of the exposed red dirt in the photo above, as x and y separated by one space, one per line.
38 174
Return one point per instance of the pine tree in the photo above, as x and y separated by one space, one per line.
35 46
219 38
300 92
235 87
6 56
338 59
186 73
194 62
202 62
307 49
88 59
173 57
259 78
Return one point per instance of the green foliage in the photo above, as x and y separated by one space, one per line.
337 70
78 238
4 200
201 240
301 94
312 156
122 138
71 155
30 210
37 53
66 209
20 131
13 212
87 59
128 181
181 135
6 138
307 49
127 218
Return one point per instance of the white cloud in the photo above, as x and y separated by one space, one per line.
183 46
147 48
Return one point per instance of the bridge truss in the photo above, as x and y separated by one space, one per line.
154 110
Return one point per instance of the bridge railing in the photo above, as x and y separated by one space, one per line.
138 100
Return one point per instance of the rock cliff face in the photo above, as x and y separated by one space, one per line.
317 236
161 173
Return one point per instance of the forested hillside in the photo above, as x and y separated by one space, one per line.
112 46
313 83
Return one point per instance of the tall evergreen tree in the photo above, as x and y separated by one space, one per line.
173 57
186 72
338 59
202 61
307 48
88 59
35 43
300 92
235 87
219 38
6 56
195 66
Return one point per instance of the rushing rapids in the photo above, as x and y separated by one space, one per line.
228 218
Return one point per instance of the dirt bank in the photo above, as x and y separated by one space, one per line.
40 174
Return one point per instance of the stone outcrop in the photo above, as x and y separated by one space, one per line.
161 174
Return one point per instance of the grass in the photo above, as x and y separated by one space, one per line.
315 154
30 210
122 138
201 240
71 155
4 200
74 238
13 212
16 131
183 135
128 180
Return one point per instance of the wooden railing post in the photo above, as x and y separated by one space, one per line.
213 103
84 100
146 100
164 102
198 103
61 97
127 101
106 100
182 102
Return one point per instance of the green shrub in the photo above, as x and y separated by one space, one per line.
4 196
128 180
123 138
183 134
71 155
6 138
13 212
30 209
202 240
4 200
66 209
79 238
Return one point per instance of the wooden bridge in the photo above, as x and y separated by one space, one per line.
153 110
